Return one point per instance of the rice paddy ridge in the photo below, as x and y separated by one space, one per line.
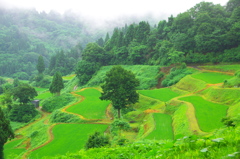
81 99
49 132
208 70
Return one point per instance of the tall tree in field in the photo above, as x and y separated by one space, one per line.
120 88
57 84
5 132
40 65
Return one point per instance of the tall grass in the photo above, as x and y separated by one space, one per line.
163 127
180 122
190 84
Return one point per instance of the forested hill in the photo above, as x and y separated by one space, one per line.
25 34
206 32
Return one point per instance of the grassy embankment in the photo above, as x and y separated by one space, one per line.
147 75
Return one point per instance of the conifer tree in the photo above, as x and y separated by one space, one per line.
57 84
106 38
40 65
5 132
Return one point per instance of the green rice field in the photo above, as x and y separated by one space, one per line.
163 94
208 114
44 95
163 127
92 107
212 77
10 151
67 138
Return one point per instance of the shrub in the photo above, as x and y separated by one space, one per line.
23 113
60 117
56 102
176 74
97 140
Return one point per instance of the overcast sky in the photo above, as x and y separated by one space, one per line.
109 9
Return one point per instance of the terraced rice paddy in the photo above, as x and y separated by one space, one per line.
68 138
163 94
92 107
208 114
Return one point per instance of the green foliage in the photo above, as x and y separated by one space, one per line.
176 74
60 117
97 140
85 71
22 113
224 143
209 115
5 131
163 94
55 102
233 82
92 107
120 88
119 125
40 65
163 127
57 84
24 93
147 75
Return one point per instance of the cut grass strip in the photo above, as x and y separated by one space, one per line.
92 107
68 138
163 94
180 121
163 127
212 77
208 114
231 68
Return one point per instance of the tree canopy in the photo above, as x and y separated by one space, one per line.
120 88
40 65
24 93
5 131
57 84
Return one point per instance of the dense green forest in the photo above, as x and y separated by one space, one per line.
204 33
26 34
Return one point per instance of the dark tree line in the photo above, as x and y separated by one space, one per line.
204 33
